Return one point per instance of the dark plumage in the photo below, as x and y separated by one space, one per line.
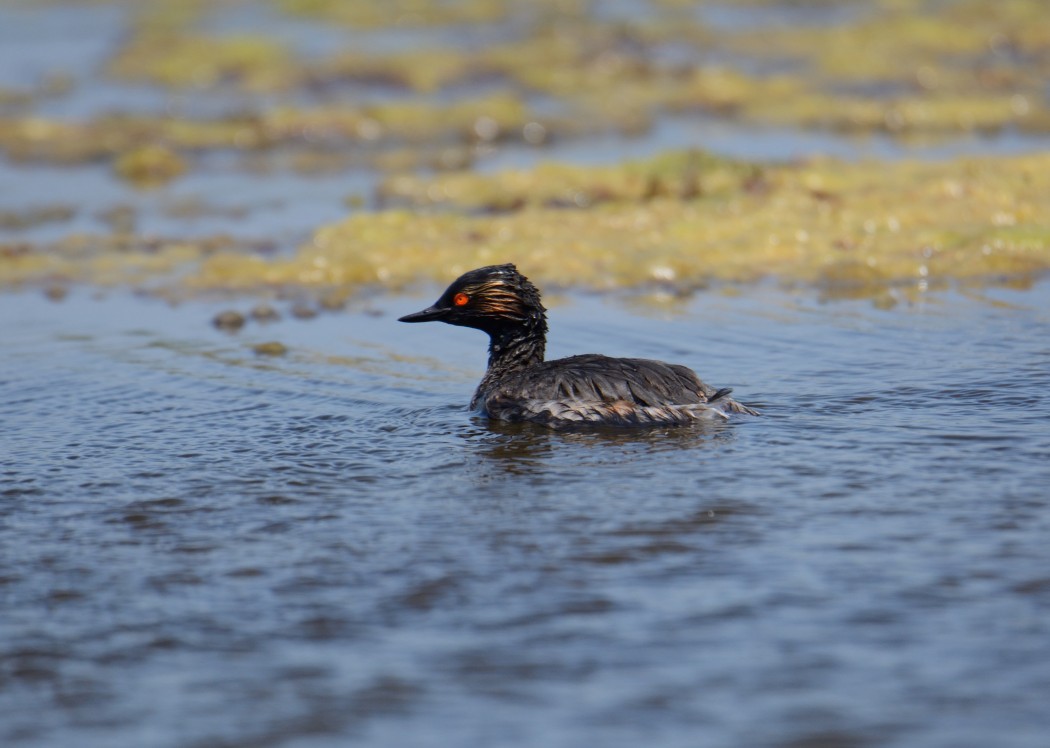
520 386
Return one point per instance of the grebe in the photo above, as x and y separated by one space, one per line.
588 389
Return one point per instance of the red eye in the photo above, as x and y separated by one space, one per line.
460 299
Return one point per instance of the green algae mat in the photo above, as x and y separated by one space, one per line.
681 221
417 97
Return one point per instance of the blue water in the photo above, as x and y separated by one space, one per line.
202 546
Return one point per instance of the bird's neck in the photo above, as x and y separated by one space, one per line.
512 347
517 346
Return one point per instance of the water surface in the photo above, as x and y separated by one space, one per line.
201 546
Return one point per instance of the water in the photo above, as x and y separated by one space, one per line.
200 546
204 547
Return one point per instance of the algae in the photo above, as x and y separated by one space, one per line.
145 263
687 176
149 165
560 71
18 220
252 62
420 13
270 348
897 66
826 223
680 221
146 147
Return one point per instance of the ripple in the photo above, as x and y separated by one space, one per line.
313 543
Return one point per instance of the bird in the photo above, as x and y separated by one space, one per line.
587 389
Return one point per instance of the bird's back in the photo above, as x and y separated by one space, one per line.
600 389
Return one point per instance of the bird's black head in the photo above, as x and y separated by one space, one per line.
494 299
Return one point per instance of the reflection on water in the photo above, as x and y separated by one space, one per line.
205 547
521 447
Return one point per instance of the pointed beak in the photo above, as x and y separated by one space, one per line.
427 315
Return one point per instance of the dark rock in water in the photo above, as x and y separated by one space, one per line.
229 320
264 313
303 311
56 293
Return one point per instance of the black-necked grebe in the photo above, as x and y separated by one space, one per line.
520 386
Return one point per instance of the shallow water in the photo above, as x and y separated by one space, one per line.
201 546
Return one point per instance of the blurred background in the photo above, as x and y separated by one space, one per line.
177 129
